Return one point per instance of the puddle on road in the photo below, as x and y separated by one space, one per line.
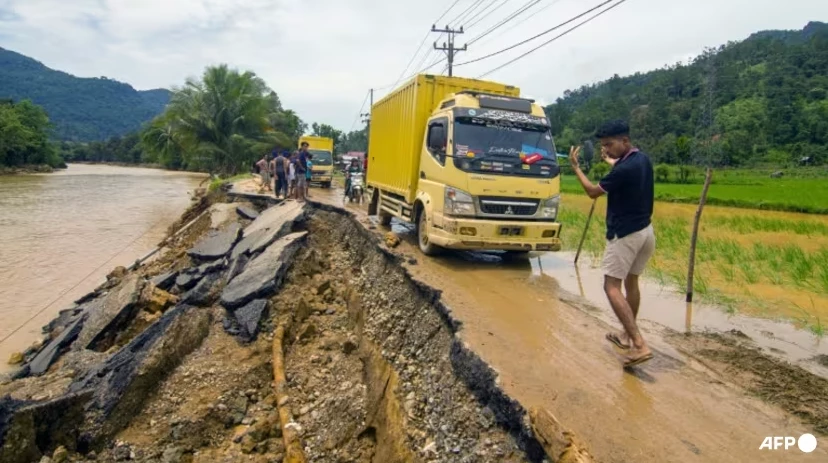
666 307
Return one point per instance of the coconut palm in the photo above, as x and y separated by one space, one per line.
221 122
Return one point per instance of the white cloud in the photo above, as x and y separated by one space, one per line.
321 56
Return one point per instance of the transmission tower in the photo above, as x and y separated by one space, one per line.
448 47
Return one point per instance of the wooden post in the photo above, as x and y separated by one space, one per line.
586 227
691 266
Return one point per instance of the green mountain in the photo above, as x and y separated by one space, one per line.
760 100
80 109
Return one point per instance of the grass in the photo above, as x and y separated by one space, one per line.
749 190
768 264
218 182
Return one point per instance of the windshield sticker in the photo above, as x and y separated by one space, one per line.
529 150
510 116
472 112
502 150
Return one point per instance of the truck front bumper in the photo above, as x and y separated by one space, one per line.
321 178
477 234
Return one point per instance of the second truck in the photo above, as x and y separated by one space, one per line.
471 164
321 148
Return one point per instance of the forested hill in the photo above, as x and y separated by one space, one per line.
81 109
769 103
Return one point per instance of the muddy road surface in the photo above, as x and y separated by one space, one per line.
705 397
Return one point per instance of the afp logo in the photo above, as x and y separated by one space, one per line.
806 443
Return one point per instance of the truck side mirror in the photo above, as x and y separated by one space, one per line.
437 137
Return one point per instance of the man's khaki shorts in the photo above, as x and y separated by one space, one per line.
629 255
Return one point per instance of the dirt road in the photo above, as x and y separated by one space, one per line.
693 402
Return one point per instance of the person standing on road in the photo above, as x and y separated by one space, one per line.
629 188
264 171
292 176
301 169
308 174
280 170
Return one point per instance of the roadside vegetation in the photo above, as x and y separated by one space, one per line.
798 190
762 263
24 136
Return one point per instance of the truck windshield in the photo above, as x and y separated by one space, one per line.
504 147
321 158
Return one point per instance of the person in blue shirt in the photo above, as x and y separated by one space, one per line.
308 173
629 187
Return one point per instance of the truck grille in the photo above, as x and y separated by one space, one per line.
508 206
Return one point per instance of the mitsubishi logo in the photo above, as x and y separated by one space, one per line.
509 210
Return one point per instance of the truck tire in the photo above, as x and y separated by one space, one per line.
384 218
428 248
326 185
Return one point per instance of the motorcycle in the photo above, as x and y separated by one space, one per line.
357 188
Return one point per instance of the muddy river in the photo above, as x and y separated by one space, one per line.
63 232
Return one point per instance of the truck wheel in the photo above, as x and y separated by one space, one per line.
515 255
384 218
326 185
426 246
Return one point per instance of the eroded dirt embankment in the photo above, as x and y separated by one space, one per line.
174 361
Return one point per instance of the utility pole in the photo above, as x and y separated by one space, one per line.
449 47
366 117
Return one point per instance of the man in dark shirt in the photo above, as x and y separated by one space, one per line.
630 238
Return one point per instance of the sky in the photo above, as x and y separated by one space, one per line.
322 56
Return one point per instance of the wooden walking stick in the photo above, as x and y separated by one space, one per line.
691 265
586 228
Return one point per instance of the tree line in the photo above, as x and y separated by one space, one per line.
24 136
760 101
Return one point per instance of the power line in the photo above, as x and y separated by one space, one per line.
422 42
553 39
503 3
538 35
555 2
361 107
479 12
464 12
515 14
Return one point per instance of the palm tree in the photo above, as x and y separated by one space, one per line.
220 123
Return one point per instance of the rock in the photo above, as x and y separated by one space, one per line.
216 244
248 444
107 315
45 459
16 358
117 273
157 300
412 261
172 455
262 276
60 455
248 318
247 213
392 240
349 346
307 332
121 452
165 280
323 286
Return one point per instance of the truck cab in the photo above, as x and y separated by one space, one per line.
321 148
486 177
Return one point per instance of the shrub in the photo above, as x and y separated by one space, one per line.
662 173
600 170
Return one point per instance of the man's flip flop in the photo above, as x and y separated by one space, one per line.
613 338
638 361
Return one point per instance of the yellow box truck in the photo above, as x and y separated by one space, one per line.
468 162
321 148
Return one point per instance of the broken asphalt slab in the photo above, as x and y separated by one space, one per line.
262 275
247 212
107 314
216 244
165 280
248 318
46 357
121 384
271 224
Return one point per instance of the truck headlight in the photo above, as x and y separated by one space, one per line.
458 202
549 208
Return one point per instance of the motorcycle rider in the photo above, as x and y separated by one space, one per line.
352 169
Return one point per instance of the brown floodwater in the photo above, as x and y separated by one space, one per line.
63 232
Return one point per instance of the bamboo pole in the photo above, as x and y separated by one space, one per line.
691 266
293 447
586 227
